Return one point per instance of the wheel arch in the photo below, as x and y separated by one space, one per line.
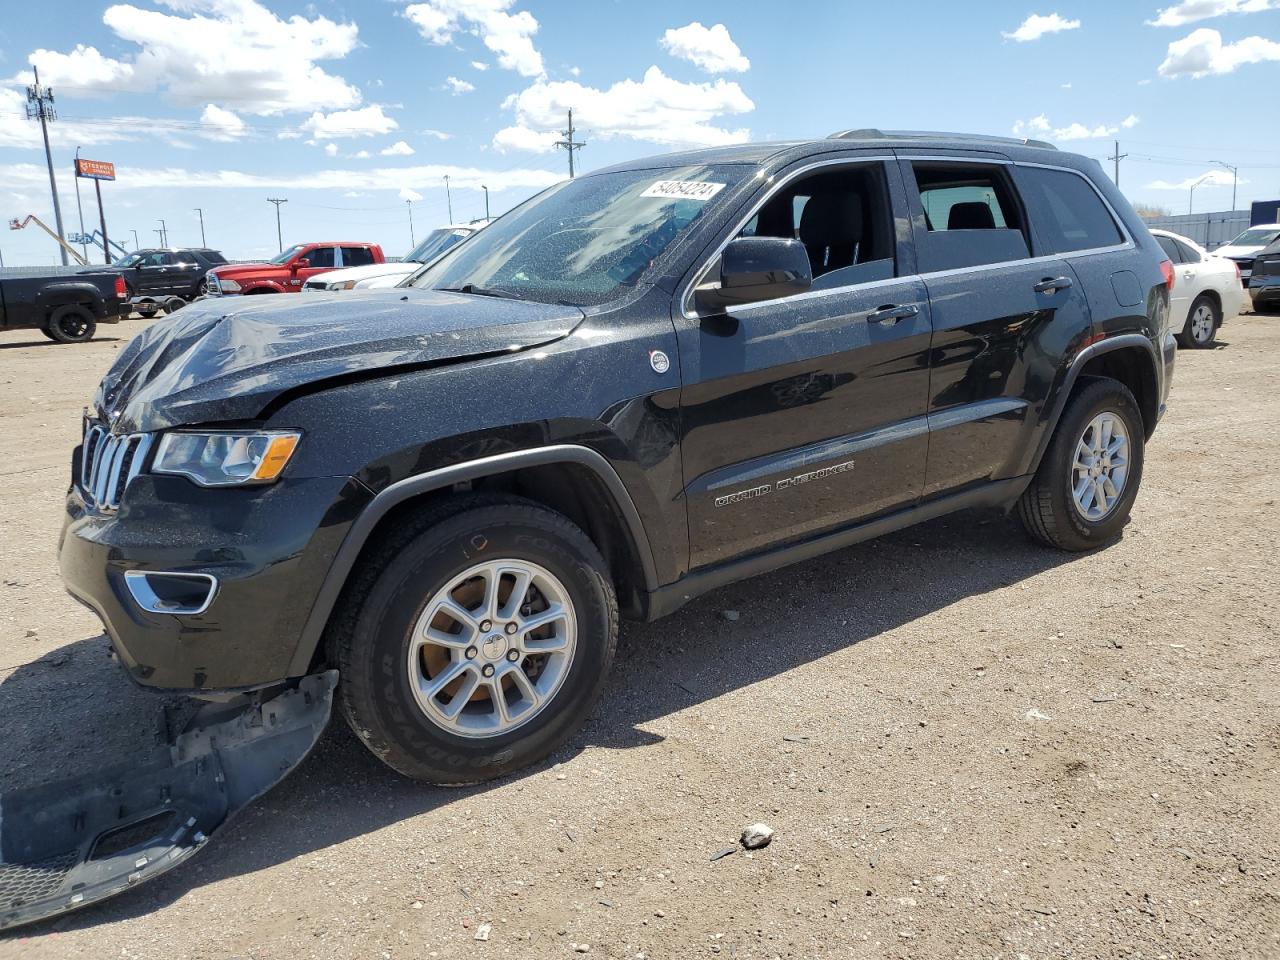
1130 358
571 479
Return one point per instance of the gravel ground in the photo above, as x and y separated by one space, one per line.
969 746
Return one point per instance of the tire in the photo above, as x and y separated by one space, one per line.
71 323
1203 320
45 331
1048 508
173 303
389 602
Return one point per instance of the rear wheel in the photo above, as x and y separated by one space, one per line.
71 323
1088 480
475 640
1201 329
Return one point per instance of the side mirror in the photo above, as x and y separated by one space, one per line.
138 265
754 269
301 264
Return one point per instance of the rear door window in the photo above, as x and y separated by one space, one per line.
1170 248
1189 253
356 256
971 216
1069 215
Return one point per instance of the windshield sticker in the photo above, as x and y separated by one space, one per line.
699 190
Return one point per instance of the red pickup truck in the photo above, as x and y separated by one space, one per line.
289 271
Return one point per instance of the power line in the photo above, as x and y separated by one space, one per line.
569 144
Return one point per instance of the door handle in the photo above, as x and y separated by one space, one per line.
1052 284
892 313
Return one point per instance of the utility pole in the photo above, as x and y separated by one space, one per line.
448 197
412 244
279 235
164 233
1117 157
1192 199
102 221
136 244
84 247
1235 180
201 213
40 107
486 200
569 144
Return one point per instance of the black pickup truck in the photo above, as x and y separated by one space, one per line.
438 500
65 304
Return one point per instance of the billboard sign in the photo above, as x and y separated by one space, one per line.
95 169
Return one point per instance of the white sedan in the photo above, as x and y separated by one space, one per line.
378 275
1206 290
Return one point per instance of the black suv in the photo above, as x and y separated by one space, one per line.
162 273
635 387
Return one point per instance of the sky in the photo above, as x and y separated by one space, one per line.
355 111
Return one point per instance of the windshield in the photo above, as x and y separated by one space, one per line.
128 260
582 241
286 255
1255 238
437 242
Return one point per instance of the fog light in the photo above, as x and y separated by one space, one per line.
182 594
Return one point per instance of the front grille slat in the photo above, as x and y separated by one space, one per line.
108 465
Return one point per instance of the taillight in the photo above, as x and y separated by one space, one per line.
1166 267
1236 264
121 290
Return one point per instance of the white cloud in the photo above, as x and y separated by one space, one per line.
1040 128
575 71
34 177
413 196
223 125
362 155
397 149
365 122
656 109
1036 26
235 52
479 65
508 35
18 132
1214 178
331 149
711 49
1065 86
1190 11
456 86
1202 53
437 134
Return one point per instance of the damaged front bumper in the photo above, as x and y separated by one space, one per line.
67 845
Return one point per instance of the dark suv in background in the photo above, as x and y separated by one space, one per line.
170 272
638 386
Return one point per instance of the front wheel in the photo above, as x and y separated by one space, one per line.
71 323
1081 496
475 640
1201 329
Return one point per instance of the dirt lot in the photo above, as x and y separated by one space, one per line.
969 746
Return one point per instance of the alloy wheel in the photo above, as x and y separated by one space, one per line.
492 648
1202 323
1101 466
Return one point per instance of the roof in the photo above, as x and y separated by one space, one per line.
766 152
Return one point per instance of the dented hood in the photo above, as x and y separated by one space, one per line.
227 358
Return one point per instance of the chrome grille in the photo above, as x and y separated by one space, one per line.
108 463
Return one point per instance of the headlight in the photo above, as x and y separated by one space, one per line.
228 286
226 459
344 285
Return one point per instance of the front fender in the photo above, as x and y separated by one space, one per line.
262 286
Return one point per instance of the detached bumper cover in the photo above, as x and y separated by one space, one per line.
66 845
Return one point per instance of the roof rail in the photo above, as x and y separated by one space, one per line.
871 133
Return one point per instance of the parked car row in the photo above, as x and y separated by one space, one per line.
1206 291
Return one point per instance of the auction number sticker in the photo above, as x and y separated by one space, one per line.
700 190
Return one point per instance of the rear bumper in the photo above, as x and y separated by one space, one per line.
1264 289
267 548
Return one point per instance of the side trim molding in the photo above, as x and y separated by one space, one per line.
403 490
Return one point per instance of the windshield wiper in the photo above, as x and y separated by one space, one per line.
481 291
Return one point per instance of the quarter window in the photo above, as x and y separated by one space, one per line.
356 256
971 216
1069 213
